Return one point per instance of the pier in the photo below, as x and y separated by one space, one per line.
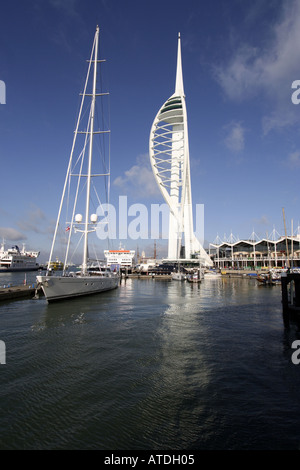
17 292
290 290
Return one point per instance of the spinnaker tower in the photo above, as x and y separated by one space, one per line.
170 161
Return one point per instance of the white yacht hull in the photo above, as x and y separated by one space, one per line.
212 276
178 277
66 287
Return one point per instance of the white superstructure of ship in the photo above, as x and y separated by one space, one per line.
121 257
15 259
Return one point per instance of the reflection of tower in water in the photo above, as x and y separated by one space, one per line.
169 156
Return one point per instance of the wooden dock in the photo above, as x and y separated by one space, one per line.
159 277
17 292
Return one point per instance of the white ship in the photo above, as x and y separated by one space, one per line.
86 281
121 257
15 260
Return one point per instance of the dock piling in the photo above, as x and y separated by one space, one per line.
290 295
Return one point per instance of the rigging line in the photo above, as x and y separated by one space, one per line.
97 195
76 198
102 147
107 182
104 124
70 163
76 247
81 155
68 197
108 187
96 256
85 112
102 100
102 138
98 198
107 118
103 141
81 113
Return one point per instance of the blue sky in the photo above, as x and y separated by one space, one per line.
239 61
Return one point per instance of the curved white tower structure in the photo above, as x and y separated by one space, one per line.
169 156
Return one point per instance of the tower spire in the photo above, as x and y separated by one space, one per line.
179 78
170 161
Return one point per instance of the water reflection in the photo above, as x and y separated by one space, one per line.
181 375
153 364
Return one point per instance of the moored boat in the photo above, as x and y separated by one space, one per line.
14 259
86 281
195 276
266 279
212 274
56 265
178 276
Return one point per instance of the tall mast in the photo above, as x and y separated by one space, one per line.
92 115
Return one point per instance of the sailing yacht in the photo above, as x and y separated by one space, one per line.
86 281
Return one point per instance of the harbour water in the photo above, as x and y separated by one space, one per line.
151 365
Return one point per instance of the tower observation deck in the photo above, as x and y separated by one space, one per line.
170 161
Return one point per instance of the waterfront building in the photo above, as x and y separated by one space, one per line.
256 254
170 161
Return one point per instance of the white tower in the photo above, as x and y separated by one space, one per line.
169 156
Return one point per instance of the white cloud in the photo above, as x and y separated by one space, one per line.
235 140
269 70
139 179
33 220
8 233
294 159
239 78
263 220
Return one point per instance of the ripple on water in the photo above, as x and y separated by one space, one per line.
150 365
